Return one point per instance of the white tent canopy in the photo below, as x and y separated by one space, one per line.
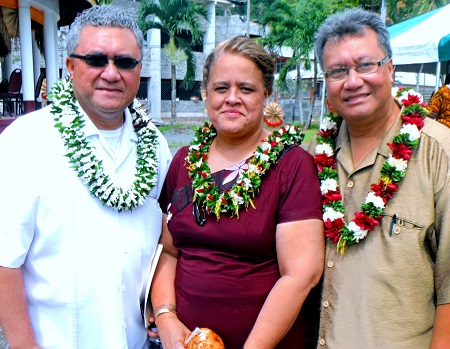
418 44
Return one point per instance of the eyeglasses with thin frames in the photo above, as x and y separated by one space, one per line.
365 68
99 60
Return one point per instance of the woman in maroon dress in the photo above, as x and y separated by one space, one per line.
243 242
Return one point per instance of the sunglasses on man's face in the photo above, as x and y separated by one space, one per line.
99 60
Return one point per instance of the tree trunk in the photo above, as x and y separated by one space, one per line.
313 101
295 114
173 102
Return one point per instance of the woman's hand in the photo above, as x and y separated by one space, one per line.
152 331
172 331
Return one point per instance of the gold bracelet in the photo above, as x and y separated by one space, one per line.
163 310
169 306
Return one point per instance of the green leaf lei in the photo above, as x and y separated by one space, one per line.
70 123
206 193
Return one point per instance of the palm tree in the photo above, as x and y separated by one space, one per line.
178 19
293 25
399 11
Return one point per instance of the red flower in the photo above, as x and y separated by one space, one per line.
203 174
200 190
210 197
412 99
332 229
366 222
400 151
324 160
414 119
331 196
384 191
325 133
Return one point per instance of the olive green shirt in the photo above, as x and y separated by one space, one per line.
382 293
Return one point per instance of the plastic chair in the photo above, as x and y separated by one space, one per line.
13 94
37 91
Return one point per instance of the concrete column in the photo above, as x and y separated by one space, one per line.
26 53
36 58
154 85
7 62
209 41
51 53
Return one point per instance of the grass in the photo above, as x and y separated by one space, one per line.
164 128
310 133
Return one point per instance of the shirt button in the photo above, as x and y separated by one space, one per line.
330 264
325 304
123 288
322 341
350 184
397 230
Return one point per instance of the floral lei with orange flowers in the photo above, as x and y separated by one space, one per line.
392 171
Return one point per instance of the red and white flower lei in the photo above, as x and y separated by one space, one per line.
392 171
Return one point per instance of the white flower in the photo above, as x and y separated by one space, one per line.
292 130
358 233
195 147
252 168
399 164
264 157
412 131
327 124
375 200
328 184
332 215
324 149
265 146
247 183
394 91
237 200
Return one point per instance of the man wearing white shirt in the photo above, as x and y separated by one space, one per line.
78 200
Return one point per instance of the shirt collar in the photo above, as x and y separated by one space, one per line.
383 149
91 130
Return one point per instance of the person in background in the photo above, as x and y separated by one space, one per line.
439 106
78 204
243 242
385 184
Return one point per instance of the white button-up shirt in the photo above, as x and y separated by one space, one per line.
84 264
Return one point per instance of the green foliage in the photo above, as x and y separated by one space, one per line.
175 17
400 10
293 25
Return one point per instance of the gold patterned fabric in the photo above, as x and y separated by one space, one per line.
440 104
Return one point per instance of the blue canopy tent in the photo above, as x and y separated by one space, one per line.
422 44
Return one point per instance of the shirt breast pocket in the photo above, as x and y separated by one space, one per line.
403 234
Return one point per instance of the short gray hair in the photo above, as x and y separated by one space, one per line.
102 16
350 22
